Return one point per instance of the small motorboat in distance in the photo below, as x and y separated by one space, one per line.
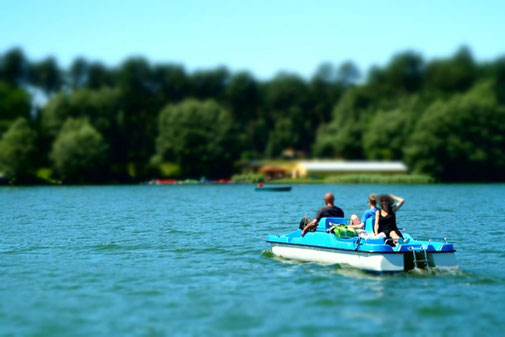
261 188
374 255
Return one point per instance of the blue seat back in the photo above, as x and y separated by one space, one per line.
324 223
369 223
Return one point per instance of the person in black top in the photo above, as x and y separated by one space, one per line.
385 217
329 211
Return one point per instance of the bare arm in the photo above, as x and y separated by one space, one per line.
313 223
399 202
358 226
376 226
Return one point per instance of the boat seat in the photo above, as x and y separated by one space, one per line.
324 223
369 225
375 241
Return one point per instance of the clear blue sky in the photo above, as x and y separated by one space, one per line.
263 37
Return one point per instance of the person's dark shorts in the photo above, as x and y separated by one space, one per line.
388 229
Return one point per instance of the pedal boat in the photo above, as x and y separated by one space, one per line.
369 254
273 189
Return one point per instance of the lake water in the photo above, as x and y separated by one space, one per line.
193 261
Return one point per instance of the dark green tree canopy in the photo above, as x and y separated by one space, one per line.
100 107
14 68
14 103
348 74
392 114
282 137
198 136
210 83
79 153
170 82
462 139
79 73
99 76
243 97
17 148
46 75
453 75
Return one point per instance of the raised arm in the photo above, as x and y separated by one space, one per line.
399 202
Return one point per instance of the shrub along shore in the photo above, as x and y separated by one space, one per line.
340 179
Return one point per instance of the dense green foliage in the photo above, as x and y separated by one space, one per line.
461 139
94 123
198 136
248 178
79 153
14 103
17 148
379 179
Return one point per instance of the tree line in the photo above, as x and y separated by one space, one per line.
92 123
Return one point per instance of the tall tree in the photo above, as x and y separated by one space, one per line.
46 75
456 74
100 107
79 153
14 67
99 76
343 136
17 148
460 139
348 74
170 84
137 88
498 75
406 71
210 83
79 73
199 137
288 97
14 103
243 97
283 136
388 130
326 87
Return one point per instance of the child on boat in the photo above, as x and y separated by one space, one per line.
358 223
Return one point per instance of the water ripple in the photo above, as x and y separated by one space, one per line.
192 260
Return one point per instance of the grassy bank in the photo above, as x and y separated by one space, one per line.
361 179
297 181
252 178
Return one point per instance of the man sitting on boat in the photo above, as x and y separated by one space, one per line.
328 211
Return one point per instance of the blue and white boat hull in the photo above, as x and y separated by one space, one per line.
373 255
372 262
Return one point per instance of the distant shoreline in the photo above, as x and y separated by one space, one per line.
342 179
253 179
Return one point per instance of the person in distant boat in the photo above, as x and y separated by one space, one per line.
358 223
385 217
328 211
260 185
